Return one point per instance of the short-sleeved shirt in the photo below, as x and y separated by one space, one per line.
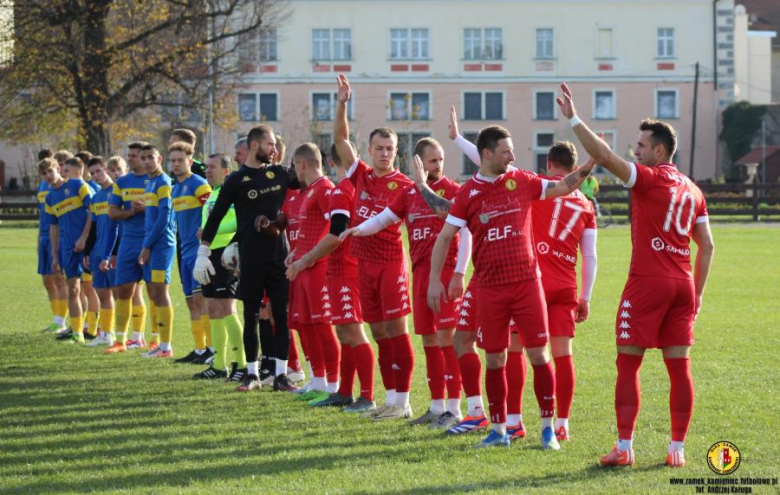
665 206
127 189
68 207
189 196
291 209
498 215
159 216
341 263
558 225
422 223
314 216
43 220
106 230
372 195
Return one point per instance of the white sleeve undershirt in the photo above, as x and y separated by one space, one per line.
378 222
468 148
589 263
464 251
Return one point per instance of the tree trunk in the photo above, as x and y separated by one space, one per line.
97 64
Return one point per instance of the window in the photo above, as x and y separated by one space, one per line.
469 167
253 107
666 104
605 47
258 47
410 106
483 106
475 49
542 143
544 43
323 106
544 105
603 104
409 44
609 137
665 43
406 142
330 44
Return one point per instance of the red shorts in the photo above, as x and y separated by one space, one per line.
312 299
426 322
561 300
384 290
467 315
293 318
345 301
656 312
522 302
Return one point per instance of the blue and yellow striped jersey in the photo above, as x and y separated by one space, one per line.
127 189
43 220
158 218
106 230
189 196
68 207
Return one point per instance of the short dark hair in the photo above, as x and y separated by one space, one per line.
563 153
45 153
85 156
489 137
384 132
334 154
186 135
96 160
137 145
75 162
257 133
419 147
661 133
182 146
224 160
150 147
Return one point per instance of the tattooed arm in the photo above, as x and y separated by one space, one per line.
571 182
439 205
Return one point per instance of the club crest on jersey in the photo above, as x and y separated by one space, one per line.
484 217
252 194
270 174
392 185
67 192
510 184
440 192
246 179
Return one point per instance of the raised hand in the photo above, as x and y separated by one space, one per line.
344 92
419 174
567 102
453 125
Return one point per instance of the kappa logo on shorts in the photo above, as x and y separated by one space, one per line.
624 335
324 288
326 306
346 298
624 324
346 307
404 297
463 312
627 304
466 303
344 289
657 244
402 288
625 315
462 322
348 316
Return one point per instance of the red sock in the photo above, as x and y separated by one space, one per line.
316 357
404 361
347 371
331 350
516 370
471 374
304 338
386 359
544 388
564 384
451 372
680 396
627 395
495 385
434 365
294 362
363 356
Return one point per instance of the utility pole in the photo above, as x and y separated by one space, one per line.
693 124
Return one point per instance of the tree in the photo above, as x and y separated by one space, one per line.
84 66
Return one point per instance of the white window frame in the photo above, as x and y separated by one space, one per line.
333 103
483 112
676 92
410 94
402 45
544 56
664 54
411 42
477 44
614 103
333 45
258 113
599 56
554 105
266 39
479 51
325 44
539 150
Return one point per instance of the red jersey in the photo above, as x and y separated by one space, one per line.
290 208
372 195
558 226
422 224
314 215
498 214
342 201
665 206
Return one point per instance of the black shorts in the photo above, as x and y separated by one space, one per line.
224 283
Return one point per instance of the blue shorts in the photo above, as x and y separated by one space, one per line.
71 262
158 270
128 270
44 256
101 279
188 282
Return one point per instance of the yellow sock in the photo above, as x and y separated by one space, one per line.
165 323
76 323
139 318
198 336
205 324
92 323
122 321
107 319
62 309
55 306
153 316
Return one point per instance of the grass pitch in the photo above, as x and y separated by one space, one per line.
75 420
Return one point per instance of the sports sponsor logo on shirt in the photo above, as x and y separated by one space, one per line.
252 194
657 243
543 247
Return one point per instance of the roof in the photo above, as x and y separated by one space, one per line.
756 155
764 16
